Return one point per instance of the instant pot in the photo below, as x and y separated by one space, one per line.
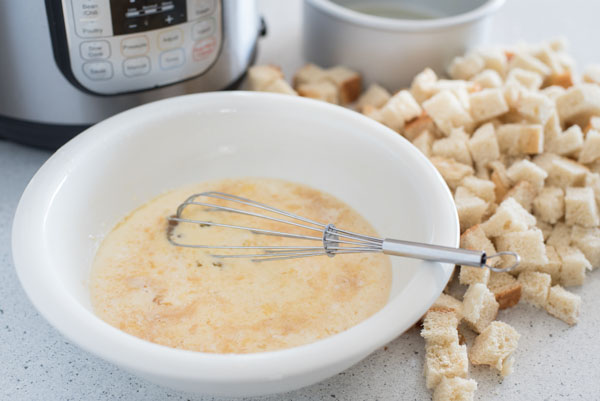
67 64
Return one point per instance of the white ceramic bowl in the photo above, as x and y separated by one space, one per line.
391 51
113 167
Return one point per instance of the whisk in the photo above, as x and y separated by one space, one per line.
332 240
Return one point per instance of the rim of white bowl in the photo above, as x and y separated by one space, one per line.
397 24
89 332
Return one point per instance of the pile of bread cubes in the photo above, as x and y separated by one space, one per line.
516 136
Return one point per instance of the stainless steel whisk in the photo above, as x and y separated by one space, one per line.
333 241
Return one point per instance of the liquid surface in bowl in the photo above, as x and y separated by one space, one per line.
186 298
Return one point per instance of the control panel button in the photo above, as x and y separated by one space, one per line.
202 8
172 59
135 46
98 70
203 28
92 18
204 48
96 49
134 67
170 39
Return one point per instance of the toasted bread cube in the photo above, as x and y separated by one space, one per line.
494 346
523 78
525 170
447 112
454 147
375 96
279 86
470 208
479 307
528 244
591 74
260 76
515 139
455 389
452 171
322 90
448 302
500 179
568 143
563 79
591 147
443 360
561 235
509 217
579 103
529 63
587 240
484 189
488 79
581 207
505 288
401 108
549 205
424 142
424 85
414 128
563 304
348 83
439 326
574 266
553 266
464 67
308 74
487 104
535 287
494 59
483 145
524 193
534 106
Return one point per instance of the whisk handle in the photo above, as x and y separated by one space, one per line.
443 254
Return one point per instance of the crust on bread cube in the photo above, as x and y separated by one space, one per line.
528 244
448 302
518 139
487 104
573 267
549 205
322 90
563 304
445 360
591 147
480 187
452 171
535 287
579 103
510 216
424 85
480 307
568 143
455 389
447 112
483 145
470 207
581 208
260 76
524 193
414 128
524 170
399 109
587 240
494 345
375 96
505 288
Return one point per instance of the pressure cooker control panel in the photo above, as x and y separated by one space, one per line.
120 46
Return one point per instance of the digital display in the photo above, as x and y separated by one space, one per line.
130 16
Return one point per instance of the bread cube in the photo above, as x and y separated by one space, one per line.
563 79
401 108
591 147
563 304
591 74
455 389
549 205
483 145
424 142
322 90
587 240
447 112
464 67
561 235
592 180
552 92
534 106
443 360
454 147
574 266
479 307
470 208
279 86
494 59
439 326
310 73
535 287
475 239
525 170
414 128
487 104
452 171
523 78
510 216
515 139
347 82
459 88
494 345
545 227
505 288
524 193
553 266
567 143
372 112
558 44
581 207
500 179
484 189
529 63
448 302
260 76
579 103
375 96
528 244
488 79
563 172
424 85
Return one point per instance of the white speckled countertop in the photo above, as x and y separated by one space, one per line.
554 361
